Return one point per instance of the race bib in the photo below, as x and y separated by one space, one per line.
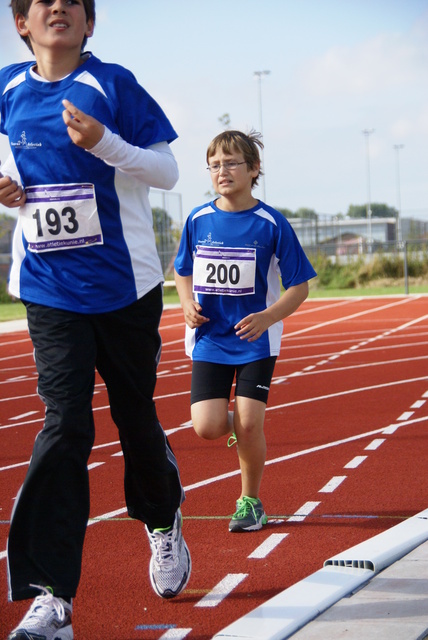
224 271
63 216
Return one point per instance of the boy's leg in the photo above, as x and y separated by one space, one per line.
128 351
249 418
210 392
50 515
251 394
211 418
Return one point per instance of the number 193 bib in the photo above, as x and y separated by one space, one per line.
61 216
224 271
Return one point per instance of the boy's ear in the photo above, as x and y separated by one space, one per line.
90 28
21 26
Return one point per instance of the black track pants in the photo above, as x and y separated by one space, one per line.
51 513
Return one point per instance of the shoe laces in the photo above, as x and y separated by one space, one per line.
44 604
244 506
163 548
232 440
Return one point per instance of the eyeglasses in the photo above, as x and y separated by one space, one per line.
229 166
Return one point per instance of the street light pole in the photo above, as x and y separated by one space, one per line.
259 75
367 133
399 234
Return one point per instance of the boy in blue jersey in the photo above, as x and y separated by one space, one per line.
87 143
231 255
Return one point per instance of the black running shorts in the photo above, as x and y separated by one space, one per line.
211 380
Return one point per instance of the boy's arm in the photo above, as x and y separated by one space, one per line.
252 327
11 192
155 166
191 308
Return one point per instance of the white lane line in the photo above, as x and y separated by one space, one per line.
358 314
406 415
355 462
222 590
268 545
418 404
375 444
24 415
94 465
304 511
332 484
175 634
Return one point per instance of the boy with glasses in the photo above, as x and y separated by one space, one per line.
232 252
86 267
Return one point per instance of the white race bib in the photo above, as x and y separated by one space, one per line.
224 271
60 216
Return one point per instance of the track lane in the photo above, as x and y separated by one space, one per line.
317 423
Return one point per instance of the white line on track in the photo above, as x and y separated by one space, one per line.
355 462
375 444
175 634
222 590
268 545
332 484
304 511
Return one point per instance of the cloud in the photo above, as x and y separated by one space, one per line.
386 62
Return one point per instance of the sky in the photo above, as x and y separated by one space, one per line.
336 68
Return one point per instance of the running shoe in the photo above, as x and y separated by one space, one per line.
48 618
170 564
249 515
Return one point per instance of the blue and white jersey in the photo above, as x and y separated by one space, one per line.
84 241
236 260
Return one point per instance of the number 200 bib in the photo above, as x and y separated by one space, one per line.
61 216
224 271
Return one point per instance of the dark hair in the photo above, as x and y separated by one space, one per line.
22 7
230 141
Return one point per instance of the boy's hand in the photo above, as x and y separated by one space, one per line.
252 327
85 131
192 316
11 194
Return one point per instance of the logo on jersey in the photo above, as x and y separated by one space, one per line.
23 143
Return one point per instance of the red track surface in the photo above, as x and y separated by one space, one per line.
349 402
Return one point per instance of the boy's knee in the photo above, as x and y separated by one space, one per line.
210 429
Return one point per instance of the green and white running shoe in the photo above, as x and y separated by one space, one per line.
48 618
249 515
170 564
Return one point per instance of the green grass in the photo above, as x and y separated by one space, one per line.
16 310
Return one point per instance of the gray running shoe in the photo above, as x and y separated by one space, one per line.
249 515
170 564
48 618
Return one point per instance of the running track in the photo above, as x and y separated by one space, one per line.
346 429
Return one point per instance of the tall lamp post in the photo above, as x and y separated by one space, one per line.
367 133
399 234
259 75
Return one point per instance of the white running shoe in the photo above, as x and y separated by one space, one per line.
48 618
170 564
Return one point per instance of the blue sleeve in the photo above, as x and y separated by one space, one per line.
183 262
293 263
140 119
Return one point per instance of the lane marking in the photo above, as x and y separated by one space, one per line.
304 511
355 462
406 415
175 634
418 404
268 545
223 589
332 484
375 444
